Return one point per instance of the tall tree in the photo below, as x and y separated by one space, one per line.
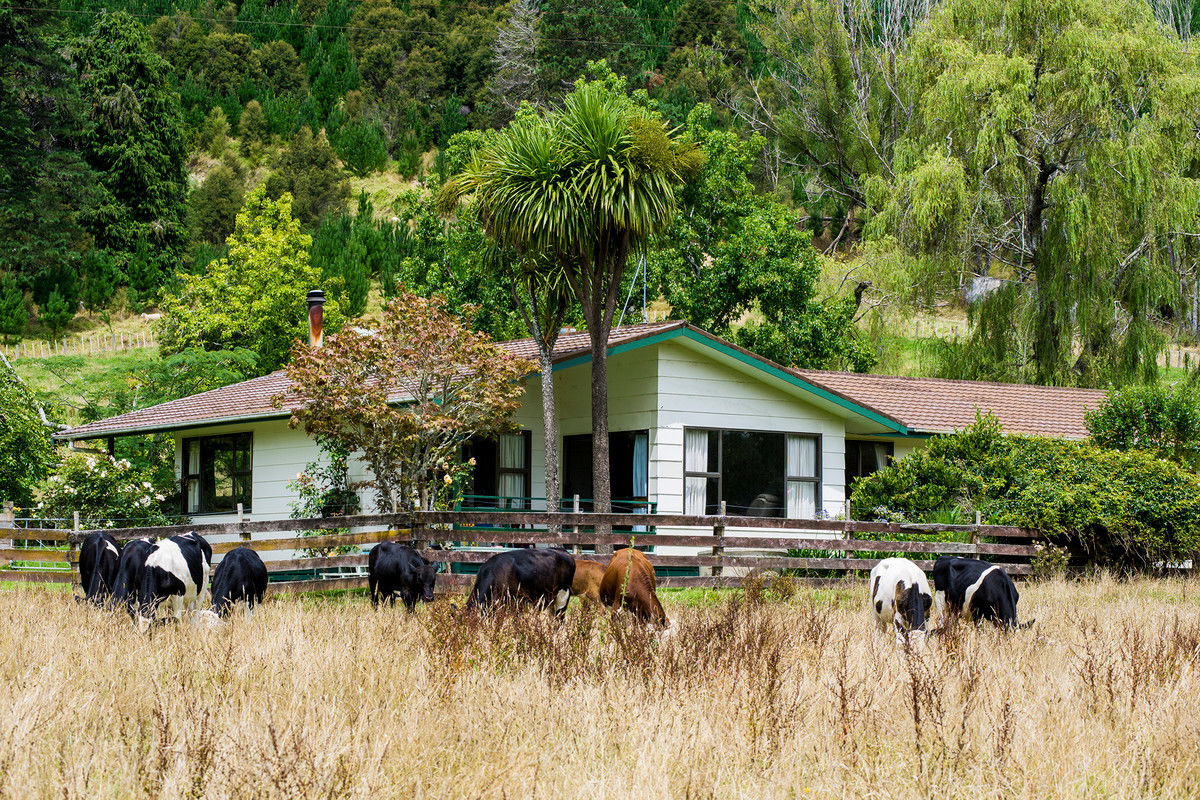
45 185
1044 152
136 143
585 186
255 298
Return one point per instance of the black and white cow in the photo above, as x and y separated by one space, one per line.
130 568
539 577
900 597
98 560
983 590
240 577
393 569
176 572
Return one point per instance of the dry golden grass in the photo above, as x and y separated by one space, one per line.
751 698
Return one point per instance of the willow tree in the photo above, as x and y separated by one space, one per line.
1051 149
582 187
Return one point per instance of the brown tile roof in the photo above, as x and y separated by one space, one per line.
251 399
933 405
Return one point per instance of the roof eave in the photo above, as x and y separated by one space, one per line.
137 430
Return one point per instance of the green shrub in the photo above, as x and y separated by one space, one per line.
1125 510
1164 421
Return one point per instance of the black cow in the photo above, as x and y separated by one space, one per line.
240 577
129 573
540 577
176 571
98 560
983 590
393 569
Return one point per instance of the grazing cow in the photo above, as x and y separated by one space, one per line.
983 590
629 581
393 569
98 560
240 577
900 596
588 577
539 577
129 573
176 571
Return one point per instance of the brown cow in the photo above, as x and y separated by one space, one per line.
588 576
631 570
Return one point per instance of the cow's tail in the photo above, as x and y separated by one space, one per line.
1024 626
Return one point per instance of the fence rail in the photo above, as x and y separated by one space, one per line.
723 548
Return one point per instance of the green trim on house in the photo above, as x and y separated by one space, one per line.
745 357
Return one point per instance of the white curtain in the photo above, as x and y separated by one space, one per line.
512 457
801 500
641 463
193 468
695 459
881 456
802 456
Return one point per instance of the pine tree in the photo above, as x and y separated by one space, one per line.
57 313
12 309
252 128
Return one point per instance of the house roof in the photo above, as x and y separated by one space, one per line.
252 399
902 405
935 405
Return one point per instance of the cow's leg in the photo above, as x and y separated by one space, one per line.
177 607
560 602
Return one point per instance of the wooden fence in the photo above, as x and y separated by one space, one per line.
80 345
723 548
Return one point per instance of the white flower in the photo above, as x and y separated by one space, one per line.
91 463
146 484
159 497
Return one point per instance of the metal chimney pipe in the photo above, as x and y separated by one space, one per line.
316 316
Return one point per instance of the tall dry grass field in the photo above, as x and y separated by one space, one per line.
752 698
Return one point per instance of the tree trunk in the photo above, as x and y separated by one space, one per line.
550 426
601 468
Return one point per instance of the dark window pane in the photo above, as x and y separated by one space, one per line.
712 500
714 450
752 469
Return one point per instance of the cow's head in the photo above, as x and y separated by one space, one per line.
912 606
428 577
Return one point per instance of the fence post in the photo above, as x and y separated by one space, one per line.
575 529
975 532
242 521
8 520
719 549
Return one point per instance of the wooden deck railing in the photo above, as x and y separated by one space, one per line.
724 547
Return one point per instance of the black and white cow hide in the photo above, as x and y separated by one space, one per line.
241 577
99 557
176 573
983 590
900 598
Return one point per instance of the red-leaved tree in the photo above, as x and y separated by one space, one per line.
404 394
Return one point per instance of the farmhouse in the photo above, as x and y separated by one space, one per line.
696 422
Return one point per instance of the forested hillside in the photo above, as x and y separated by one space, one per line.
1033 163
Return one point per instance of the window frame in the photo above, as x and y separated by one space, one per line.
817 479
185 476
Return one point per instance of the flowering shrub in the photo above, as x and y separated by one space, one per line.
106 492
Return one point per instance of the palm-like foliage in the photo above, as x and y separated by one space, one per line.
585 186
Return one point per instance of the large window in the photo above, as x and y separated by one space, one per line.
629 468
864 458
756 474
216 473
501 478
